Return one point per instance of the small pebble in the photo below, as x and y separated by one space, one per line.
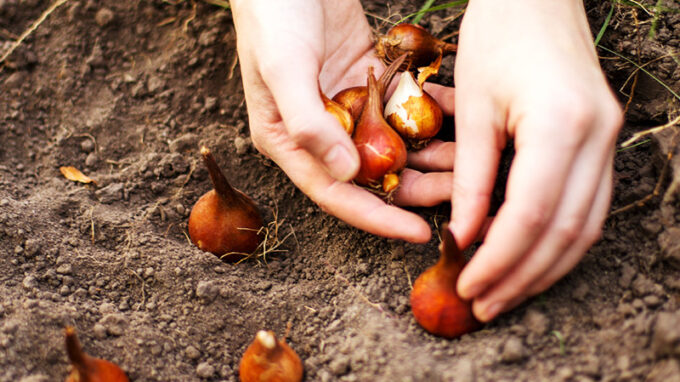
148 272
537 322
87 145
192 353
339 366
99 331
65 269
206 290
241 144
104 17
652 301
29 282
210 103
513 350
666 337
154 84
91 159
627 276
115 323
205 370
32 246
581 291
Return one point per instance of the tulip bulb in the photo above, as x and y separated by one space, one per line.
86 368
354 98
412 112
434 300
380 148
340 113
422 48
270 360
224 221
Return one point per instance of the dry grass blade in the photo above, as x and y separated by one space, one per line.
220 3
654 193
653 130
270 244
32 28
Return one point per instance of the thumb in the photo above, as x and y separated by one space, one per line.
309 125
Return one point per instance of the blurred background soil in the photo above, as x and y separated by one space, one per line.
127 91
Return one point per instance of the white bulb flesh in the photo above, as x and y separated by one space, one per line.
407 88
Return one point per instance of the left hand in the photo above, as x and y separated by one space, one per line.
527 70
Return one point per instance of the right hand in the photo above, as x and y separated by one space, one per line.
287 50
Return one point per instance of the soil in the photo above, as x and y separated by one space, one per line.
127 91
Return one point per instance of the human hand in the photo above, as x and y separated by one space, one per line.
287 49
527 70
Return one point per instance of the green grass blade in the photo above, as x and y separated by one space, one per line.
451 4
607 20
655 78
425 7
635 145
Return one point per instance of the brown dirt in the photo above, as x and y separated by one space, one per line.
127 91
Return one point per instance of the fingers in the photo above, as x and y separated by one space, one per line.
534 189
565 233
477 154
426 190
437 156
591 231
444 95
348 202
308 124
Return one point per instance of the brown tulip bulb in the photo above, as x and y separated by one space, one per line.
381 150
224 221
422 48
340 113
86 368
434 300
412 112
270 360
354 98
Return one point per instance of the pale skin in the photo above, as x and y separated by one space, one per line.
526 70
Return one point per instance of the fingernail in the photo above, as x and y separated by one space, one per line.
492 311
340 163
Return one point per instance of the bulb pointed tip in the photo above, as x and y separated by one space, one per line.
266 339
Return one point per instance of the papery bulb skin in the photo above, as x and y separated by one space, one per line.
412 112
354 98
340 112
381 149
224 221
434 300
269 360
421 46
86 368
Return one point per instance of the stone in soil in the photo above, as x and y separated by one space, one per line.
666 334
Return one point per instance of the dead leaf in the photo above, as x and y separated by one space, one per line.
72 173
